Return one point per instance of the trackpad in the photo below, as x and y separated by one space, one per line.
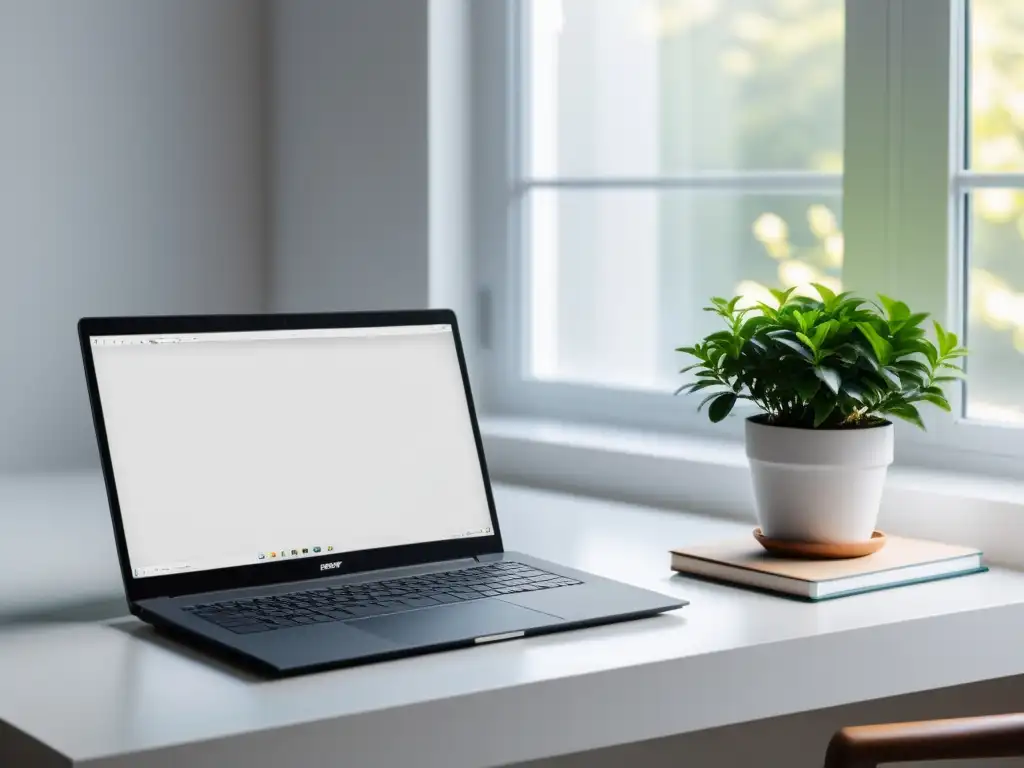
451 623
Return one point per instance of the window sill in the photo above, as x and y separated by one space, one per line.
710 476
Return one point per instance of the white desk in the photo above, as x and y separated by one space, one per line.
117 695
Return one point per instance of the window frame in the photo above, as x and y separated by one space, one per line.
904 77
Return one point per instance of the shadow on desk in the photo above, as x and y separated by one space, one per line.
90 610
145 633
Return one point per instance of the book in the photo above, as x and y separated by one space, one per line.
902 561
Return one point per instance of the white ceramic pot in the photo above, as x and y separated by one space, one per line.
818 485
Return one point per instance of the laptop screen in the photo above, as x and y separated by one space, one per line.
233 449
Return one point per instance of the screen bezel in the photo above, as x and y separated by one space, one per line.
287 570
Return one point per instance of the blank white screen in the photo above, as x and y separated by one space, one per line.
223 449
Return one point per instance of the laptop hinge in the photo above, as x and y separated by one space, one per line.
491 558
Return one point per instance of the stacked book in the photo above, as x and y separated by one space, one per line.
902 561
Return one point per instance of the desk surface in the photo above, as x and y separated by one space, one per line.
116 694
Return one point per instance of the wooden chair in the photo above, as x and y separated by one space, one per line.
867 746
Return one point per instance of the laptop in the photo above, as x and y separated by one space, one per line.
302 492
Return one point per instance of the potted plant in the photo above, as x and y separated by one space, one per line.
826 374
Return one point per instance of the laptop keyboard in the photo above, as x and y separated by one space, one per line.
354 601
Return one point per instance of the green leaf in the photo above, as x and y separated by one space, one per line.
782 296
907 412
696 386
915 320
938 400
896 310
881 347
691 367
751 324
828 297
802 320
822 332
953 377
867 359
848 306
894 380
807 340
911 365
919 347
854 391
796 346
721 406
830 377
848 353
823 407
906 333
708 399
909 379
757 344
942 338
807 388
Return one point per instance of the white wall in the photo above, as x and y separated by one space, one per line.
194 156
452 267
350 186
131 181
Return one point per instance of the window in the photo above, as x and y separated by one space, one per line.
674 149
991 202
657 152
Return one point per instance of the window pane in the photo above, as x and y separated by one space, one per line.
995 217
995 331
618 278
996 85
651 87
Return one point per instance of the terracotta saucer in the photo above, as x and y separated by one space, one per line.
821 551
